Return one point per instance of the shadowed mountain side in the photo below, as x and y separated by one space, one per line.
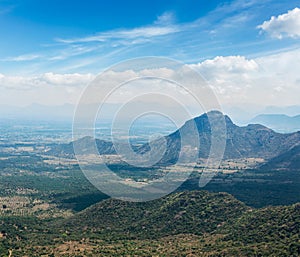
288 161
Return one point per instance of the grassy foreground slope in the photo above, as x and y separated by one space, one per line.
195 223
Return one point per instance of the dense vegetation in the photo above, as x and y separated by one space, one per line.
196 223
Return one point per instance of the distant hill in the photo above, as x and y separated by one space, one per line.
242 142
84 144
279 122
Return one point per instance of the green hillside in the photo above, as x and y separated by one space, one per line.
195 223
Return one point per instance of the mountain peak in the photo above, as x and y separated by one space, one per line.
214 114
203 121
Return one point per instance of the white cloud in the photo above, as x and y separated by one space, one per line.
22 83
268 80
72 51
284 25
48 88
166 18
237 5
164 25
236 80
21 58
231 64
230 76
143 32
284 66
74 79
19 82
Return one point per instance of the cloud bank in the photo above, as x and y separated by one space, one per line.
236 80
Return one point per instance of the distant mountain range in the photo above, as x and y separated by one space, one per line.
38 112
279 122
277 118
253 140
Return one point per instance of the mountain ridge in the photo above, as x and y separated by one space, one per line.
251 141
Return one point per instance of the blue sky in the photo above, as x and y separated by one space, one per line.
56 36
45 42
32 29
